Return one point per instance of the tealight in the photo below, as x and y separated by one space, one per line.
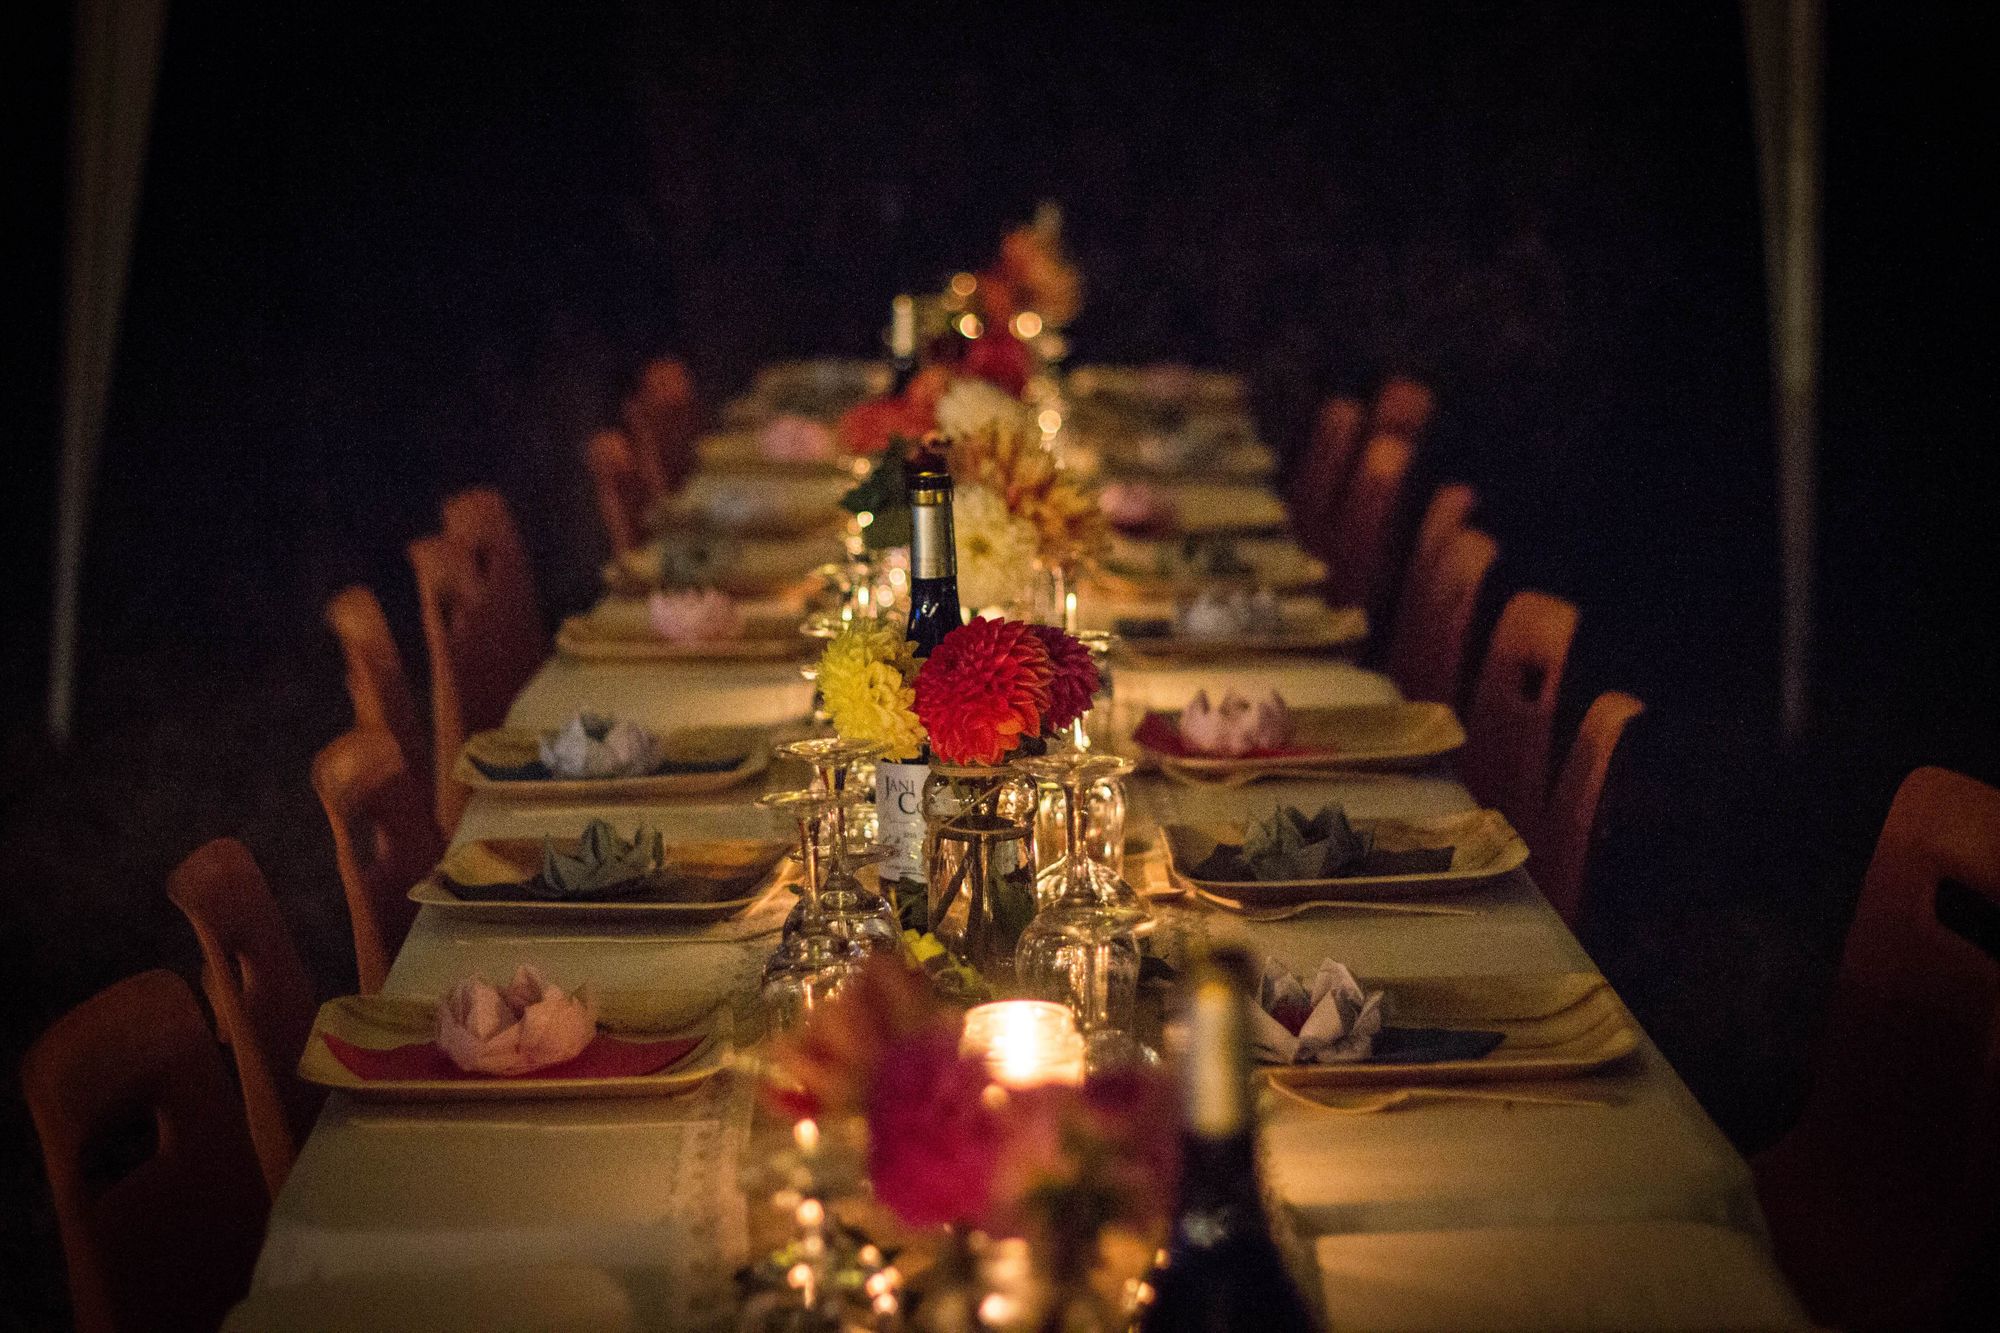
1024 1042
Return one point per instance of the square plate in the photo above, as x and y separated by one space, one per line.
1319 629
702 880
1484 846
1141 567
613 635
750 567
511 746
774 506
1556 1025
1359 735
384 1021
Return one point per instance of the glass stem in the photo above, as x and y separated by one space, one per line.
809 861
1077 877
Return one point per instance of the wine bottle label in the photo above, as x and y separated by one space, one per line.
899 818
1213 1082
931 552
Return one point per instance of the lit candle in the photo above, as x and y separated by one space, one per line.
1024 1042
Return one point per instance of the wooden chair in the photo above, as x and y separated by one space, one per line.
1505 762
624 494
661 417
480 521
155 1184
1882 1195
1322 475
474 678
1448 512
259 991
1569 824
1359 556
383 840
376 679
1404 407
1426 655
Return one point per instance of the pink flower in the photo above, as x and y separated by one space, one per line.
795 439
704 615
932 1139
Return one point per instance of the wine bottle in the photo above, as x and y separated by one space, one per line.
934 610
902 341
1223 1273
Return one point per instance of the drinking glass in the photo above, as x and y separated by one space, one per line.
813 960
858 912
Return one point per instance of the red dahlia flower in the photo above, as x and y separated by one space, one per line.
1075 681
984 687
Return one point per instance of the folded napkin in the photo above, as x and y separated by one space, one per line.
1236 726
602 862
591 745
704 615
790 438
1219 613
1290 845
1137 506
529 1024
695 559
1337 1022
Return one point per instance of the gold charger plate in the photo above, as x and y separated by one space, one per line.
383 1021
702 880
1141 567
595 638
1327 630
752 567
1360 735
1209 507
1557 1025
514 746
1484 846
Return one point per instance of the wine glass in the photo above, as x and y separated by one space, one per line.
1082 949
812 961
858 912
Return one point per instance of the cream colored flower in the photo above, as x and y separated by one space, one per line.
996 550
973 405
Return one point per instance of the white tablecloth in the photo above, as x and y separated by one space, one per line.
648 1192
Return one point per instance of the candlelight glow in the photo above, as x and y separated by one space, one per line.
1025 1042
1027 324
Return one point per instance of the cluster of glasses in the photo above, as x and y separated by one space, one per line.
838 921
1082 948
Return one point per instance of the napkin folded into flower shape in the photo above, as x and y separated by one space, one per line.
795 439
1219 613
602 861
704 615
1236 726
1333 1022
591 745
1137 506
528 1024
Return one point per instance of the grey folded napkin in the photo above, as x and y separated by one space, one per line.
1292 845
603 862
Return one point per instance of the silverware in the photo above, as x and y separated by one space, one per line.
1290 910
1390 1099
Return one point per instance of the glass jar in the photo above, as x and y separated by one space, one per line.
979 861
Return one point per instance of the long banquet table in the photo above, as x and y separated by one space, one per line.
1634 1213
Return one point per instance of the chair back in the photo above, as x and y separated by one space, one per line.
1359 555
661 417
259 992
1448 512
156 1190
383 839
1427 641
1569 825
481 522
624 494
1882 1196
1322 476
377 682
1505 763
1404 406
473 682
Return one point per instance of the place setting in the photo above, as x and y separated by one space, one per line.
594 756
1235 740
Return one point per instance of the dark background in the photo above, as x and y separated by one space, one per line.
381 256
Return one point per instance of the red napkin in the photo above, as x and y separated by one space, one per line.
1159 734
605 1057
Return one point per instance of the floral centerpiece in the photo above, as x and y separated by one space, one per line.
1070 1169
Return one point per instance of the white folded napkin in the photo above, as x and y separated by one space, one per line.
530 1024
1337 1022
590 745
702 615
1226 614
1236 725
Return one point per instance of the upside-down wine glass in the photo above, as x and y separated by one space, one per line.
1082 949
857 911
812 961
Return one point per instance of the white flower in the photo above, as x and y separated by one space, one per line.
972 405
996 551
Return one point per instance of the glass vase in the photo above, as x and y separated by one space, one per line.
979 862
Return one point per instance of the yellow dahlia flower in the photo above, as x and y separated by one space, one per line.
864 679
